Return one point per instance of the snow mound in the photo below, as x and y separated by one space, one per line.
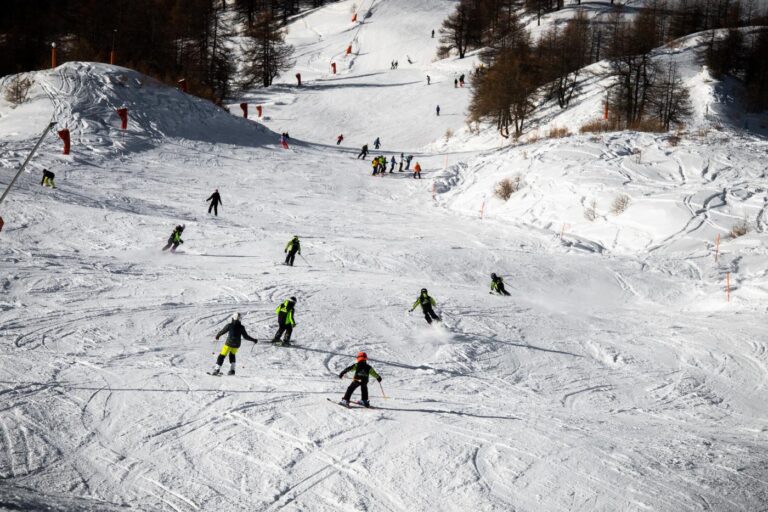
84 97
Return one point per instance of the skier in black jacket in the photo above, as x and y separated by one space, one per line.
362 372
215 200
363 152
497 285
235 332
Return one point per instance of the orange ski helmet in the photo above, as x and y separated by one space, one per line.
362 356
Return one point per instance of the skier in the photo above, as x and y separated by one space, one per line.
363 152
461 81
291 249
438 110
375 165
376 143
417 171
362 373
429 80
433 33
455 83
402 159
235 331
426 302
339 139
48 177
392 164
175 239
408 57
284 140
285 321
408 162
215 200
497 285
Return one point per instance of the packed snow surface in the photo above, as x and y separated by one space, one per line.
616 377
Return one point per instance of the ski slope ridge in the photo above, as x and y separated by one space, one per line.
615 377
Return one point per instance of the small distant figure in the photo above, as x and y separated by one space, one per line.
433 33
215 200
363 152
497 285
438 110
392 164
429 80
376 143
397 64
461 81
408 58
48 178
175 239
339 139
408 162
363 371
402 159
293 247
455 83
284 140
298 79
417 171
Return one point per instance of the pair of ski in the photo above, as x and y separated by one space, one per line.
358 404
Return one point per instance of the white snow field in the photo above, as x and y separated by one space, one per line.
616 377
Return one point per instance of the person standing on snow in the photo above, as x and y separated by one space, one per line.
363 152
376 143
429 80
339 139
497 285
175 239
408 162
402 158
234 331
417 171
433 33
363 371
285 321
455 83
293 247
438 110
215 200
461 81
392 164
48 177
426 302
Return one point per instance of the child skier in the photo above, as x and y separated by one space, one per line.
339 139
362 372
285 321
215 200
426 302
392 164
417 171
291 249
235 331
175 239
497 285
48 177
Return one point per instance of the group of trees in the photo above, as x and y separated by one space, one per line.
166 39
519 73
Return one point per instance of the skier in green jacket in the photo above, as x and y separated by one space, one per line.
362 372
285 321
293 247
175 239
426 302
497 285
235 331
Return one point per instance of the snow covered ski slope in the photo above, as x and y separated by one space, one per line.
615 377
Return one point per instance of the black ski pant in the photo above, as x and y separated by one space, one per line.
215 208
171 245
352 387
363 155
501 289
290 257
283 327
430 314
220 359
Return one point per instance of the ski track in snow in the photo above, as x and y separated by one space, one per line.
614 378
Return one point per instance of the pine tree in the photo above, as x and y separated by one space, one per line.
266 53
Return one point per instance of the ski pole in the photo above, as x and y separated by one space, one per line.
305 261
382 392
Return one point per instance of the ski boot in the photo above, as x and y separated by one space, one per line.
365 403
345 403
231 372
215 371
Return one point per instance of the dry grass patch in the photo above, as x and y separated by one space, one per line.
508 186
620 203
558 132
740 229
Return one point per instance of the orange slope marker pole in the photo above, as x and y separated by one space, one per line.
728 287
717 247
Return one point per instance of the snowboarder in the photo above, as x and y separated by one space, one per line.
392 164
215 200
363 152
497 285
339 139
235 331
175 239
408 162
417 171
438 110
293 247
363 371
285 321
376 143
48 177
429 80
426 302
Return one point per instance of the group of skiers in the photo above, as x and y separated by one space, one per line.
379 163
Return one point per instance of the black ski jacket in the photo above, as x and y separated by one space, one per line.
362 371
216 198
236 331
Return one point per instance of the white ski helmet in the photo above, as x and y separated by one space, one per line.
236 317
